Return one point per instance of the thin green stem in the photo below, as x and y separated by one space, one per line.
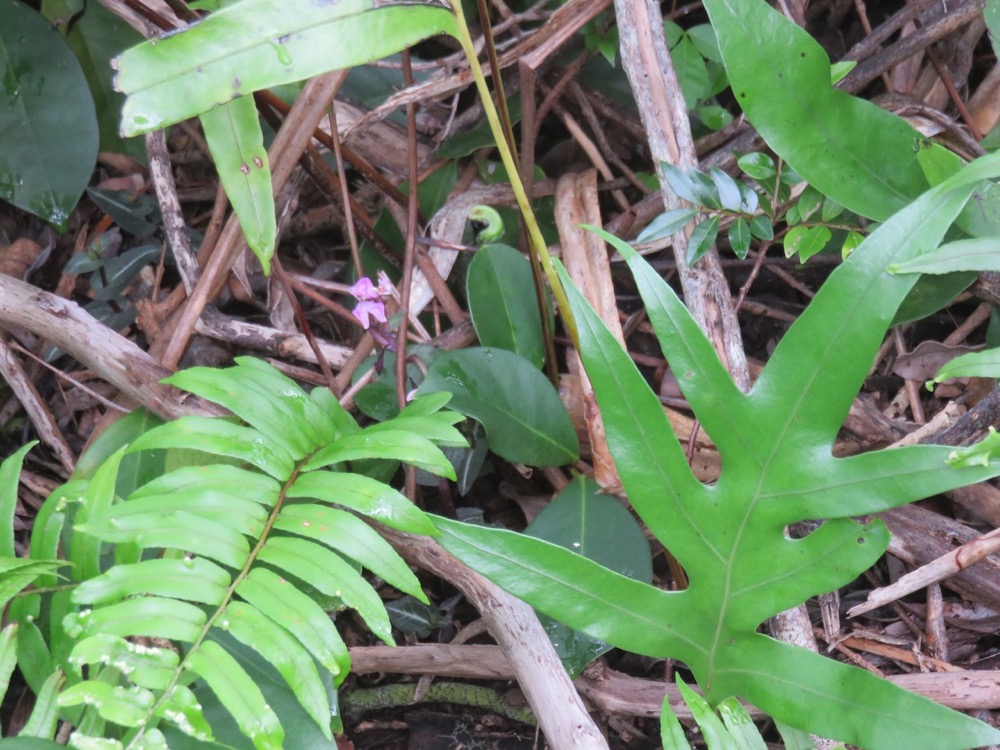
536 242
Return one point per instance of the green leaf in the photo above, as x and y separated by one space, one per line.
45 715
150 666
598 527
729 191
384 442
521 411
280 649
194 579
85 551
712 729
237 144
778 468
985 364
806 241
848 148
366 496
739 238
962 255
702 239
49 124
239 694
148 616
124 706
10 478
8 656
666 224
329 573
502 302
352 537
255 44
298 614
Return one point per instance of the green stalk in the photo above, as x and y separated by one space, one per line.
536 242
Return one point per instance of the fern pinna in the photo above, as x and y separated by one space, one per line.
249 543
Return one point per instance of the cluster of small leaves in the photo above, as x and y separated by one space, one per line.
751 210
253 544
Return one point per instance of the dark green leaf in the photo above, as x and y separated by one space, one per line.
702 239
48 122
521 411
739 238
666 224
502 302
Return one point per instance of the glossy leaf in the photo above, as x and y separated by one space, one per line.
521 411
985 364
236 142
48 122
255 44
502 302
778 468
739 237
962 255
199 557
666 224
848 148
806 241
702 239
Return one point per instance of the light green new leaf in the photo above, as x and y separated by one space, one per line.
778 468
235 139
124 706
981 254
384 442
255 44
848 148
193 579
984 364
151 667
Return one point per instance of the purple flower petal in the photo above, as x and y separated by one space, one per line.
364 290
367 308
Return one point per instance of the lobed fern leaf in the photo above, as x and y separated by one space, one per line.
258 543
777 468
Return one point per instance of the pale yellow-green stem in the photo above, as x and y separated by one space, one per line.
535 240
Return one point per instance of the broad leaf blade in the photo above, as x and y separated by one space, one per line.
850 149
255 44
48 122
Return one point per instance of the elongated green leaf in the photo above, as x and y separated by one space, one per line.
239 694
237 144
776 449
17 573
10 478
8 656
985 364
255 44
714 732
521 411
220 482
125 706
85 552
291 660
149 616
45 715
666 224
48 122
366 496
151 667
329 573
238 513
221 437
194 579
502 302
672 735
298 614
173 530
962 255
740 725
349 535
435 427
397 445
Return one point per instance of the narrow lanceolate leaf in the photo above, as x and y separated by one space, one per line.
150 616
329 573
255 44
300 615
10 477
85 550
984 364
221 437
397 445
128 707
366 496
194 579
848 148
352 537
981 254
148 666
287 655
237 144
778 468
45 715
237 691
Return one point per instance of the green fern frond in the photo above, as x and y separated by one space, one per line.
247 549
